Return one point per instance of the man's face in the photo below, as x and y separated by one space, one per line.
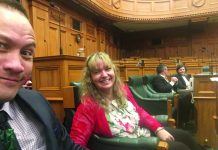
17 45
165 71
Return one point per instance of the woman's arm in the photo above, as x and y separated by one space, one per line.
83 124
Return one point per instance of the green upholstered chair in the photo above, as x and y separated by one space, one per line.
147 80
123 143
72 93
153 105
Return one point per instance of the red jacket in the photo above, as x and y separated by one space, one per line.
90 118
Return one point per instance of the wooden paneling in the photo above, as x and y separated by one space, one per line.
206 130
72 46
206 97
51 74
40 25
91 45
75 72
55 33
204 87
58 109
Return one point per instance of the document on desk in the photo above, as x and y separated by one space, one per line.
214 79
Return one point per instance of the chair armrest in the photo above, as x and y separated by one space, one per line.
156 94
165 120
176 101
123 143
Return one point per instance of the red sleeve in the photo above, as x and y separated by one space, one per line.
83 124
146 120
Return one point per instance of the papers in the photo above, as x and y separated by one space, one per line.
215 79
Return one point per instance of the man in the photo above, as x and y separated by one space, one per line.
162 85
29 114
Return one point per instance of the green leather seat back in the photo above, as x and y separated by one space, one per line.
153 105
148 81
77 92
137 83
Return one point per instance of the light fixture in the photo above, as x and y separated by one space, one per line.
78 38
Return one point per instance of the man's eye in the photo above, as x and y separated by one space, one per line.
2 46
27 53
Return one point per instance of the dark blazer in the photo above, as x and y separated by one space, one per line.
181 82
55 134
161 85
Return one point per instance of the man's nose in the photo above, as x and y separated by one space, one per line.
14 62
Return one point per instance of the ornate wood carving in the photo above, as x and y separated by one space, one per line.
116 3
198 3
152 10
55 15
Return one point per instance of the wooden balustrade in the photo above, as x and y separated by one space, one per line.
129 67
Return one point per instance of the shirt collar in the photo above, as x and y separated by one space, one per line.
162 76
9 108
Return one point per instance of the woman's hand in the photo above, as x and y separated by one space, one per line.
164 135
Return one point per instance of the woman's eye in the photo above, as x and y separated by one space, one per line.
108 69
95 71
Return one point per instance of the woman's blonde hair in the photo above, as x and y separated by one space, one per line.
89 89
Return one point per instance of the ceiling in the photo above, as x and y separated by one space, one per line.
126 26
134 27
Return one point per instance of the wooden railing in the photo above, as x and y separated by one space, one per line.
143 66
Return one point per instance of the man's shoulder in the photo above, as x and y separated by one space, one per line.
25 93
30 96
157 77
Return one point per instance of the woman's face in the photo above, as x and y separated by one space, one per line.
181 71
103 77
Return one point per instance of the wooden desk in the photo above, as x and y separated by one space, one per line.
205 95
51 74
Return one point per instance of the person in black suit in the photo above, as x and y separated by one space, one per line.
184 88
183 78
29 115
162 85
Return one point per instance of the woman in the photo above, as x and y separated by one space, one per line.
183 78
186 106
108 109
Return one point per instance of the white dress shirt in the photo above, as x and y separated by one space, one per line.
27 130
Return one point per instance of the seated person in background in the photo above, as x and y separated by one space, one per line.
183 78
109 109
185 90
163 85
